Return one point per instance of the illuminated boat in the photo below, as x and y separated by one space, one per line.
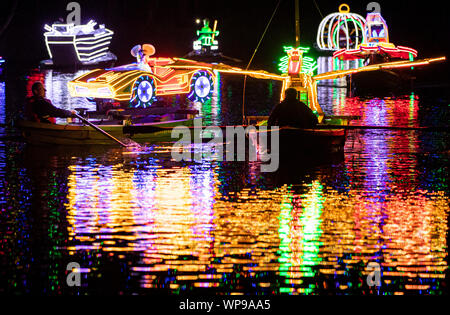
136 92
135 87
206 46
330 134
297 143
78 45
79 134
376 49
304 143
207 42
376 46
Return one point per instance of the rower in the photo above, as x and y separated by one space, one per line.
40 109
292 113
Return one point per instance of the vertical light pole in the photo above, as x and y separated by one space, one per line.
297 23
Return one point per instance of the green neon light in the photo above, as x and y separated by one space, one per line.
307 231
412 99
206 35
311 223
284 232
309 64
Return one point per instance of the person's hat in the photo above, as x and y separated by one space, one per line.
135 50
148 49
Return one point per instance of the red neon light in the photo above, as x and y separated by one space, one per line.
397 52
295 61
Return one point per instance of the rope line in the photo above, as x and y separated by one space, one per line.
253 56
317 6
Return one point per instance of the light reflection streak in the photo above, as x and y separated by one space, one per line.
328 64
57 91
211 110
300 232
193 230
179 222
217 228
2 103
162 213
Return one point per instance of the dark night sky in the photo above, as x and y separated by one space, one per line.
169 25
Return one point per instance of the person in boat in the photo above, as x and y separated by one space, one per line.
292 113
143 54
40 109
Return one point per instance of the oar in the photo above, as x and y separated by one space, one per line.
353 127
87 122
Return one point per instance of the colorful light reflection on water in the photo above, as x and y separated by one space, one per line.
137 222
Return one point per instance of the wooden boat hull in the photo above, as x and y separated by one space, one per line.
70 134
328 138
304 144
312 140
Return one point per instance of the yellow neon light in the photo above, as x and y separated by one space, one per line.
344 8
389 65
214 31
161 86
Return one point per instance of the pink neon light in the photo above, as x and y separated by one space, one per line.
397 52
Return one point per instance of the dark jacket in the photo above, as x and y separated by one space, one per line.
292 113
42 110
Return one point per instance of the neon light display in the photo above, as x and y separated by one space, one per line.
168 76
300 232
298 71
202 84
376 29
341 30
376 42
364 51
206 40
306 83
295 62
85 41
143 92
388 65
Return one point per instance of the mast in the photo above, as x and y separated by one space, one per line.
297 23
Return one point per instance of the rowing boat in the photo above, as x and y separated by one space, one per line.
312 141
80 134
321 140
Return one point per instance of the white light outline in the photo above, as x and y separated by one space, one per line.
330 19
103 38
94 47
